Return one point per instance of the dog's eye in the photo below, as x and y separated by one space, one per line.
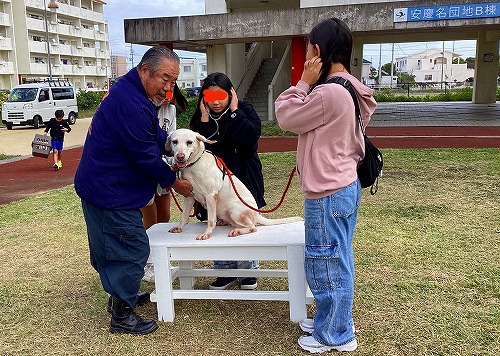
174 142
189 143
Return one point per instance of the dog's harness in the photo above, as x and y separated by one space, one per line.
218 161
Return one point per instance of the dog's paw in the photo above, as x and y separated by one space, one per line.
204 236
241 231
175 229
221 222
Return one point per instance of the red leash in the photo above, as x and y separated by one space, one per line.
192 215
238 194
251 207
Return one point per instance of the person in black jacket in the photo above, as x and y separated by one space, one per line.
236 127
57 129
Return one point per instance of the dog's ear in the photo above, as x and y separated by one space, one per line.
168 144
203 139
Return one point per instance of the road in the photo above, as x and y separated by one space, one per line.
18 140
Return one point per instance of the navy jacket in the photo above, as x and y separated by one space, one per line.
121 163
237 142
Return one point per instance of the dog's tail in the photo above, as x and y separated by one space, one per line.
266 222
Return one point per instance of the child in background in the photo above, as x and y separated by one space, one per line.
57 129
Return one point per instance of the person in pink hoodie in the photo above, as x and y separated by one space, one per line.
330 146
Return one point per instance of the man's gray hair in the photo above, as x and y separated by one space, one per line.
154 56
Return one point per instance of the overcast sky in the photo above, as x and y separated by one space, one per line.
117 10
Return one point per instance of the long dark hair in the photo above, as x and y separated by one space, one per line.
335 43
179 98
216 78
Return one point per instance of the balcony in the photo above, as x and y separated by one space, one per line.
7 68
39 68
5 19
6 44
37 47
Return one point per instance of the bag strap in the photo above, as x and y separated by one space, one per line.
348 85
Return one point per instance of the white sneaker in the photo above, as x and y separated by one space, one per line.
307 325
310 344
149 273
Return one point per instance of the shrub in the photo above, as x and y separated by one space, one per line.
89 100
4 94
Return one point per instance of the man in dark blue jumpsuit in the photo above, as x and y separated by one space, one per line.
119 171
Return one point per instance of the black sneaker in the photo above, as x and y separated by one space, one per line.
222 283
56 167
249 283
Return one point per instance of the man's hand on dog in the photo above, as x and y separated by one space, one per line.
183 187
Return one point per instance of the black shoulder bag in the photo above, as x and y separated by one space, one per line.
370 168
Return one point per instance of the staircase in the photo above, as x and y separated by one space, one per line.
257 94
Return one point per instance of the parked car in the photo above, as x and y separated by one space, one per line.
34 104
192 92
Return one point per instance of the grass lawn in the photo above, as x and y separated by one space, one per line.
427 271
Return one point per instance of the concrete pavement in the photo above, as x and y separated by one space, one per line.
18 140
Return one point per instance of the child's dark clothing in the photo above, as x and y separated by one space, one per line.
55 127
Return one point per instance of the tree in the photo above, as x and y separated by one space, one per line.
458 60
471 62
387 68
406 78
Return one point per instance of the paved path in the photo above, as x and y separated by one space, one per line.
395 125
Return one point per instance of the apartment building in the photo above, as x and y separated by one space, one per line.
118 66
77 42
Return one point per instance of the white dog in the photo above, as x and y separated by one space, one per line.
212 188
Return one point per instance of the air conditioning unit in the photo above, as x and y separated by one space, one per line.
79 47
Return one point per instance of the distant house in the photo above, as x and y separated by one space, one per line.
192 72
433 65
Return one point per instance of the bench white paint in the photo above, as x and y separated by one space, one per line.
274 243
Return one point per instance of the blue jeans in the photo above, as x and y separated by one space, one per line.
329 262
236 265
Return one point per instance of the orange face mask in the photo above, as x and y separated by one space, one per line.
210 96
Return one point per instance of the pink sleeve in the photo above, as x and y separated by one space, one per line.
298 112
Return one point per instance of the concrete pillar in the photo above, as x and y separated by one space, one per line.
216 59
215 7
357 57
486 71
235 64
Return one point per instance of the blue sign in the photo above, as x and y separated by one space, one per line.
447 12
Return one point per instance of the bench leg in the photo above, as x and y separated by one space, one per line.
296 283
163 284
186 282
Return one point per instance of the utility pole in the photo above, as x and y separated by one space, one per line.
380 65
132 55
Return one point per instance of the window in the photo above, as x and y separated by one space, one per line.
187 69
63 93
44 95
203 67
428 77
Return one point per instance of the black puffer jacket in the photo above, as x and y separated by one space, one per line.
237 136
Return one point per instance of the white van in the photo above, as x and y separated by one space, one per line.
35 103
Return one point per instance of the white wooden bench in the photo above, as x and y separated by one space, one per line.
273 243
